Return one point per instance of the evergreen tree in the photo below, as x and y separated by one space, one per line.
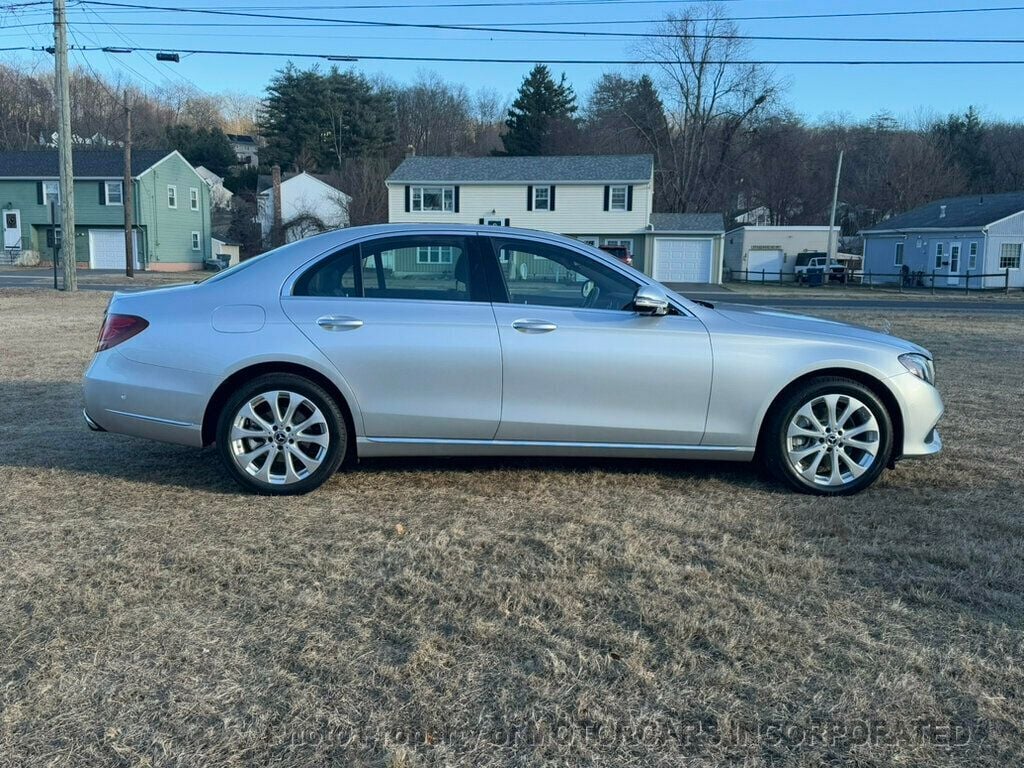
541 119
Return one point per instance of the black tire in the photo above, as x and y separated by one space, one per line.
334 425
774 446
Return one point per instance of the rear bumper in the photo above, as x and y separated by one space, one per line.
142 400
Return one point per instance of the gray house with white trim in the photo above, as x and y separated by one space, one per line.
597 199
953 239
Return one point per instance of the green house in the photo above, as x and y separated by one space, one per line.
171 209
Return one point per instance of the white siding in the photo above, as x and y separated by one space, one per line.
579 208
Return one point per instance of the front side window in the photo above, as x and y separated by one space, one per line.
433 199
193 198
172 196
542 198
114 192
195 241
972 256
51 192
548 275
415 268
617 197
1009 256
898 260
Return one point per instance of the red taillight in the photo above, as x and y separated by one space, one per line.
118 328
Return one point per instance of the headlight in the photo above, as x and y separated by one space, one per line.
920 366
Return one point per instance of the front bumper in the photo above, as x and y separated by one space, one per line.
922 407
151 401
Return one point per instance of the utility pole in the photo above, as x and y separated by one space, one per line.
67 175
832 217
127 198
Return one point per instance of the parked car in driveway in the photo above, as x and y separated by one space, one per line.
420 340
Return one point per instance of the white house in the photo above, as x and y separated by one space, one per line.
598 199
309 205
220 195
773 249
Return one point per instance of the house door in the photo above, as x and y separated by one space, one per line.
12 230
954 264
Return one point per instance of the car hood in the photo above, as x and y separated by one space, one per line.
800 326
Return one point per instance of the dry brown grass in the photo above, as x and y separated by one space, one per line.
472 613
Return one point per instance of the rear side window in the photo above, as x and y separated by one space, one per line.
418 268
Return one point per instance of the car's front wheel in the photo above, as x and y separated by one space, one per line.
832 436
281 434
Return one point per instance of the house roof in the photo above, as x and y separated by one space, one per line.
265 181
687 222
960 213
88 163
567 168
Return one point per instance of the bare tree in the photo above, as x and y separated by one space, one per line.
711 95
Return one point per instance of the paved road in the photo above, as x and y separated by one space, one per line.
43 278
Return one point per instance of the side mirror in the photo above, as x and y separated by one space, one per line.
650 300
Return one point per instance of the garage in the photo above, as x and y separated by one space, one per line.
106 248
768 260
682 260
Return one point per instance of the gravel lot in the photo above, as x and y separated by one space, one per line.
476 613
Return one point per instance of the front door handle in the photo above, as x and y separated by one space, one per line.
533 326
339 323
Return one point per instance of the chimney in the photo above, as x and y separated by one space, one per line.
410 151
275 233
942 211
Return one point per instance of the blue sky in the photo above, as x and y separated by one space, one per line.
813 91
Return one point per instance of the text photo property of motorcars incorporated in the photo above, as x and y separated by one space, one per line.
431 340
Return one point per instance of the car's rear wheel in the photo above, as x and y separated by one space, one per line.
832 437
281 434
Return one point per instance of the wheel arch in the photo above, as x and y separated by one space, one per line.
239 377
876 385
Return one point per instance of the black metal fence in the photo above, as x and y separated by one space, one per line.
901 281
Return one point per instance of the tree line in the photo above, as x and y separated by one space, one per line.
721 134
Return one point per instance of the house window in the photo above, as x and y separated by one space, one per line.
434 254
172 196
113 192
939 252
51 192
617 198
195 241
433 199
972 256
1009 256
898 261
193 198
542 198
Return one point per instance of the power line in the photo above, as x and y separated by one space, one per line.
534 60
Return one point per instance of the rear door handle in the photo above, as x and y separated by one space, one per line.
339 323
533 326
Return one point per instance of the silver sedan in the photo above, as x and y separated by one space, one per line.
441 341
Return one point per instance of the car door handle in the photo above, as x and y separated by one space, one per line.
533 326
339 323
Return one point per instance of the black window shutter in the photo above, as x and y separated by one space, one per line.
551 198
456 199
629 198
481 222
508 222
39 192
103 191
407 196
606 193
529 198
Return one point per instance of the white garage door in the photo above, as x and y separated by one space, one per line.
106 248
679 260
769 261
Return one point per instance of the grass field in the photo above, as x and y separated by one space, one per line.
477 613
